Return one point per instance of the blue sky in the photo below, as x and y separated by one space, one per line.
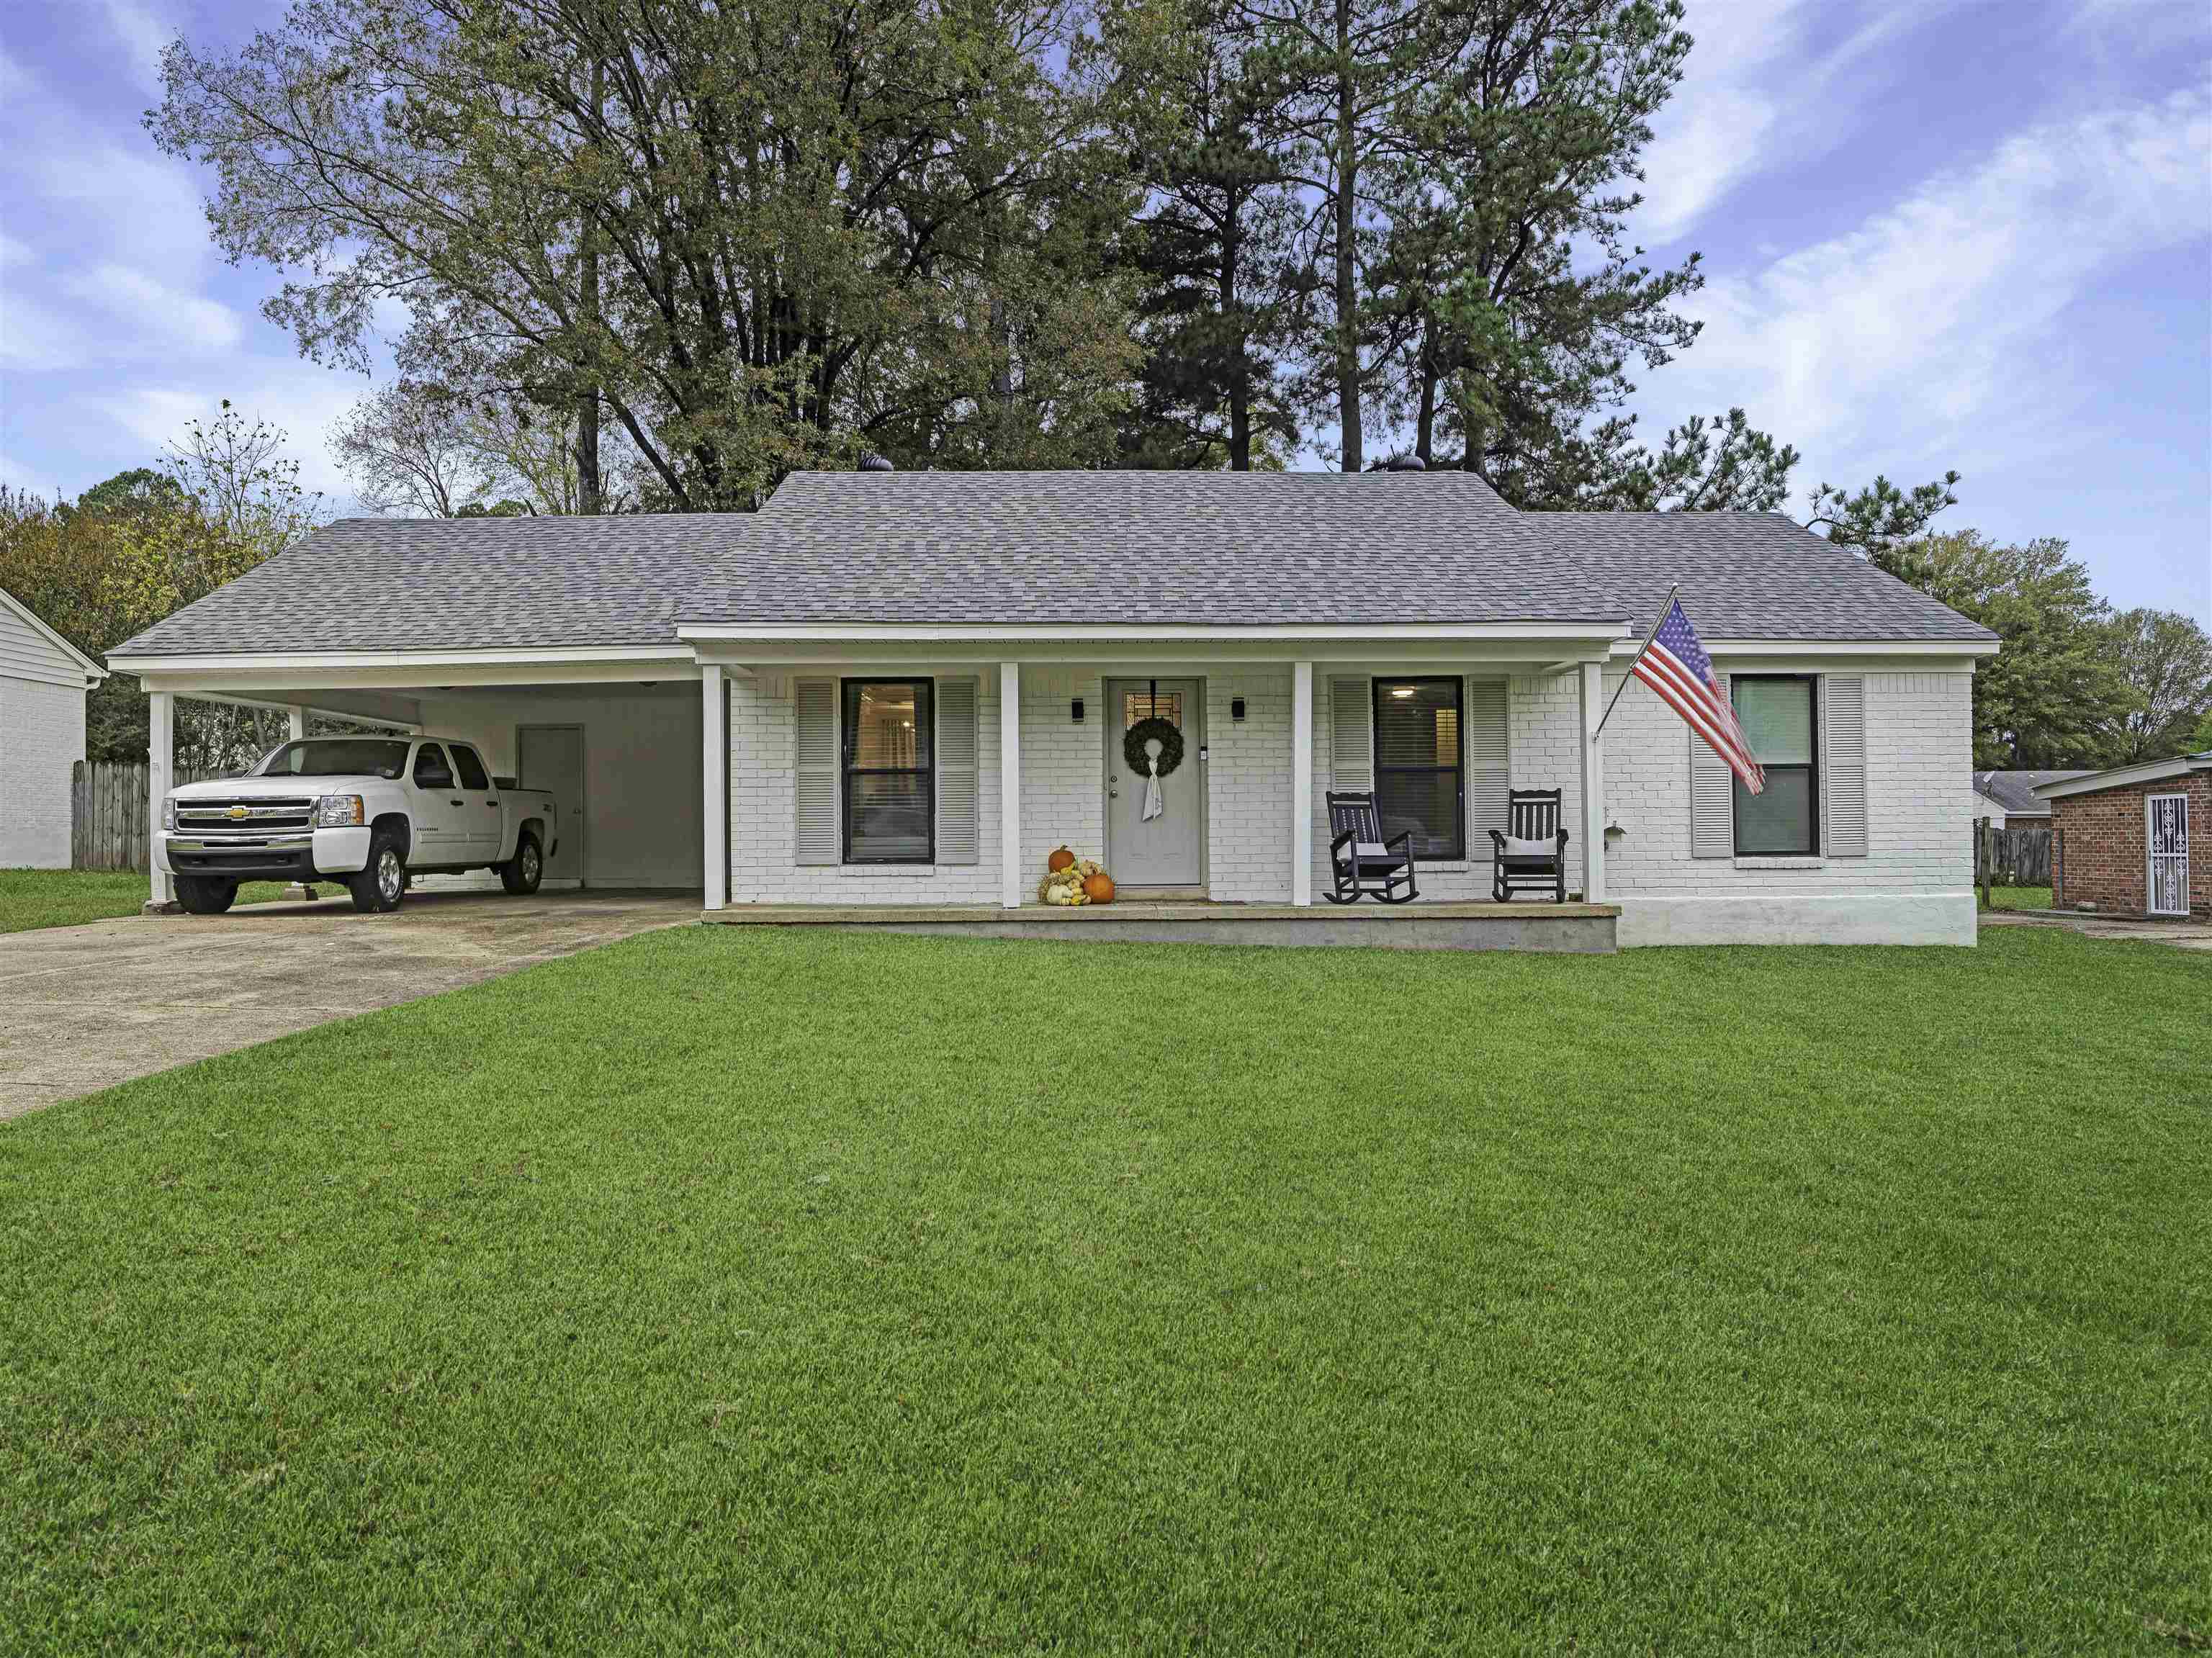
1938 235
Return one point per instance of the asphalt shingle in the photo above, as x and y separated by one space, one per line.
952 547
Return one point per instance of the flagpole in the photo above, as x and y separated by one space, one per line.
1634 661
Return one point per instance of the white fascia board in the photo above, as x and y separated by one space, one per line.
93 671
1958 648
340 661
2120 777
777 632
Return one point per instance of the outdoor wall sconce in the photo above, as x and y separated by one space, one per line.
1236 709
1075 711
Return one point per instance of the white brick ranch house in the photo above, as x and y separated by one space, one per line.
901 691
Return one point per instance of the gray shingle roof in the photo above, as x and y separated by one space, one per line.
953 548
391 583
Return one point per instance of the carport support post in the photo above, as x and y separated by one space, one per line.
1009 785
1593 707
161 778
714 771
296 722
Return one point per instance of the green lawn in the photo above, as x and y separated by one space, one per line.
68 897
2020 897
740 1289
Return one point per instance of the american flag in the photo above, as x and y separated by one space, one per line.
1676 666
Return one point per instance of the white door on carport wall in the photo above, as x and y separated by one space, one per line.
551 757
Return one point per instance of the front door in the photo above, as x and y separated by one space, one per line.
1165 849
551 758
2168 838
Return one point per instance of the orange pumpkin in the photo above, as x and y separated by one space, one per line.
1060 859
1099 887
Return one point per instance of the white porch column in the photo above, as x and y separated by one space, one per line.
1009 785
1302 718
296 723
161 778
714 783
1593 704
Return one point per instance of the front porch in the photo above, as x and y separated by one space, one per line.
1572 929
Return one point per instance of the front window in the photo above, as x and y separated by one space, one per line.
336 757
891 792
1779 717
1420 776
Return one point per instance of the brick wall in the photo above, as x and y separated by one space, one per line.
1919 745
41 736
1917 735
2102 857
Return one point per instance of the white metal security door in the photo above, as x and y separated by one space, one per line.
2167 837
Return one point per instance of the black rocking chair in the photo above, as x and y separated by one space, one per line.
1366 865
1531 856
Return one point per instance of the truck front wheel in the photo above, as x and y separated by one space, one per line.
383 878
202 895
523 872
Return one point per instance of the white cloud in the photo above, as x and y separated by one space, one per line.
1769 83
143 34
153 311
1930 329
302 401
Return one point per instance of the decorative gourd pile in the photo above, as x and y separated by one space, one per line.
1072 881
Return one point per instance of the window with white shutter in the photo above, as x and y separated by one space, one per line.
1843 766
1713 796
1489 760
957 747
814 838
1351 736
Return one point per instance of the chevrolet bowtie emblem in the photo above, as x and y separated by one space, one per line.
237 813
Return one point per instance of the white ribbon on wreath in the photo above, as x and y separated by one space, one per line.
1153 805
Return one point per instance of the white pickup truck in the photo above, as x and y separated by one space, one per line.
365 811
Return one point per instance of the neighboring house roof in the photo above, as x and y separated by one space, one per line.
949 548
2120 777
2013 793
55 655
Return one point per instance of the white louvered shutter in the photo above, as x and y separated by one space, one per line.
1351 736
814 839
1842 765
1489 764
956 746
1713 796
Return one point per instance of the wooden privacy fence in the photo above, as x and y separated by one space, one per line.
108 813
2016 857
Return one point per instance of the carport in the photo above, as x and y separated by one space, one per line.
564 671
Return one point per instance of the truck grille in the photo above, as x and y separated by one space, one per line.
247 816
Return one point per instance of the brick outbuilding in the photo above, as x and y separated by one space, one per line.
2134 841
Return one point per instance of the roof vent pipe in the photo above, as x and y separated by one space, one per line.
873 462
1407 463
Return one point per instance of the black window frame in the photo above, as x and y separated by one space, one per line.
1378 689
1811 767
925 714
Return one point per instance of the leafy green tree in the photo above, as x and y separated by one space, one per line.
1877 519
2167 660
1721 466
1506 254
2051 696
758 237
1212 244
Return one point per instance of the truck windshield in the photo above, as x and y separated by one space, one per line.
337 757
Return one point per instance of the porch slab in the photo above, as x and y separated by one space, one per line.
1574 929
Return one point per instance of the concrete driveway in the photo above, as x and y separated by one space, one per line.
2182 934
90 1006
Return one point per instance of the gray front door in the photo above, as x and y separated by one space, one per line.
551 758
1169 850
